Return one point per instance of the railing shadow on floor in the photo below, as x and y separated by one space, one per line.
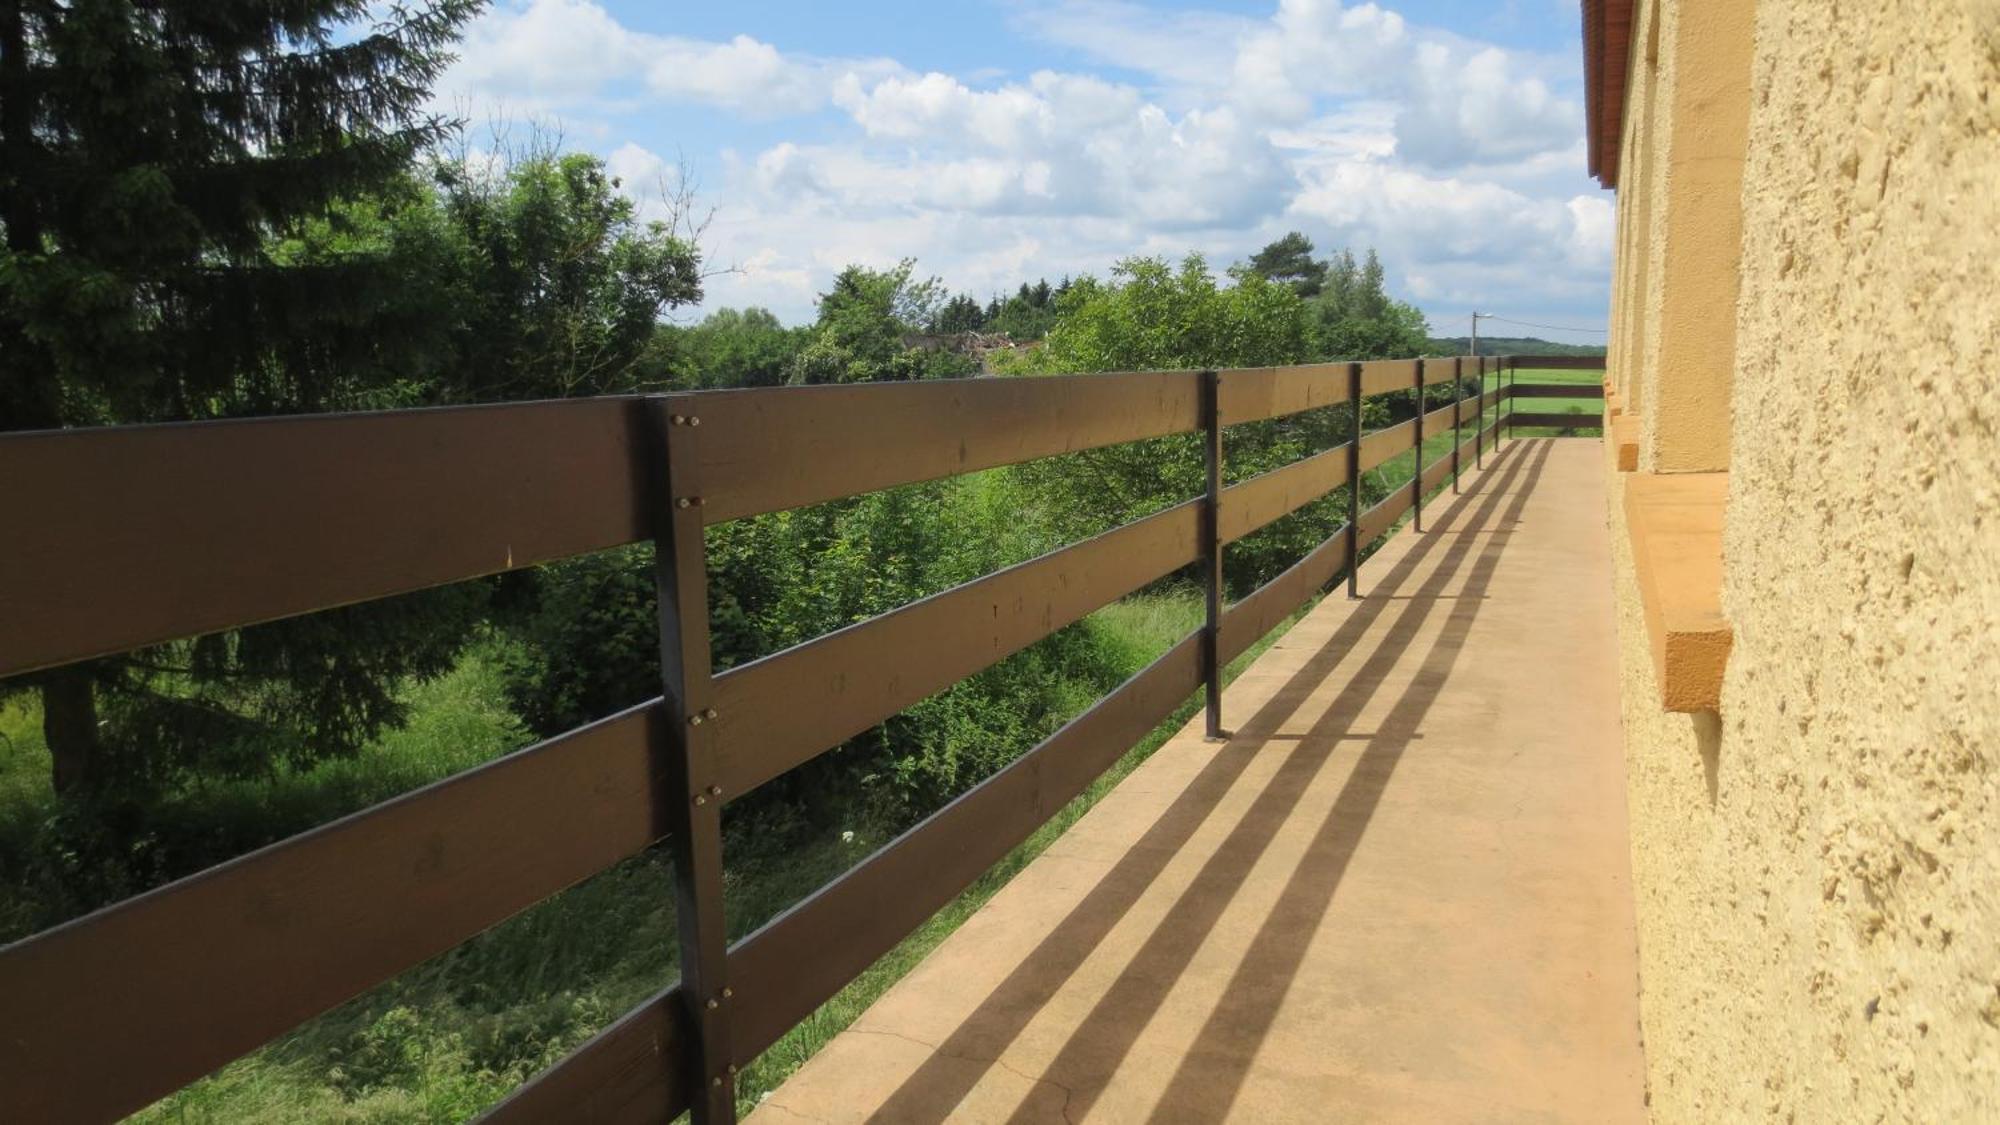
1201 1089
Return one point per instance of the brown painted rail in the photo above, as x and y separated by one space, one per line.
179 539
1575 421
156 532
1558 390
1557 362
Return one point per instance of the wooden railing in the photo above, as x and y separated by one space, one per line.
135 535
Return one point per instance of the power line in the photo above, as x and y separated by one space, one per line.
1531 324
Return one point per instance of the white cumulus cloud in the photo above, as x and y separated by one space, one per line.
1206 131
552 55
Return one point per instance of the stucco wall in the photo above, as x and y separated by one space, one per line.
1818 866
1639 232
1704 81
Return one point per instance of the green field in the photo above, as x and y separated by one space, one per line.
1590 407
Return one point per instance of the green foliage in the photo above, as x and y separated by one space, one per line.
558 285
165 166
1355 318
1289 262
150 150
1029 313
862 327
59 859
1352 314
589 644
589 647
1156 316
728 348
960 314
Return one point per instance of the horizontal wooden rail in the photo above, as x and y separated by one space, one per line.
116 1009
1557 390
1439 420
1387 376
1256 393
800 959
1466 450
1377 520
1386 444
1251 504
776 713
1580 420
627 1073
363 506
768 449
1436 472
212 525
1261 611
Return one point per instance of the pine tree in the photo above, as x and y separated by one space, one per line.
1289 261
151 156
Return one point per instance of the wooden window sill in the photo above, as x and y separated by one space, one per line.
1675 521
1625 442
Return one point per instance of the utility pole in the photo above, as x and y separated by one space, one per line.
1477 316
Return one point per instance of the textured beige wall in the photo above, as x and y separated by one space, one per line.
1818 866
1703 91
1638 229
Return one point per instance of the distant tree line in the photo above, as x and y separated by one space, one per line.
1510 345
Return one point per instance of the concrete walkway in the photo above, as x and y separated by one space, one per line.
1399 893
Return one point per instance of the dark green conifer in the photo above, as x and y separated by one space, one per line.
153 158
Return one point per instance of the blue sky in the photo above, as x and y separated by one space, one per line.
997 141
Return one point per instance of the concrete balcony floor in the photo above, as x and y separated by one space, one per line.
1399 892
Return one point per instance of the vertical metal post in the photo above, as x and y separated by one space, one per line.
1479 416
1508 401
1457 415
688 754
1354 484
1417 470
1211 550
